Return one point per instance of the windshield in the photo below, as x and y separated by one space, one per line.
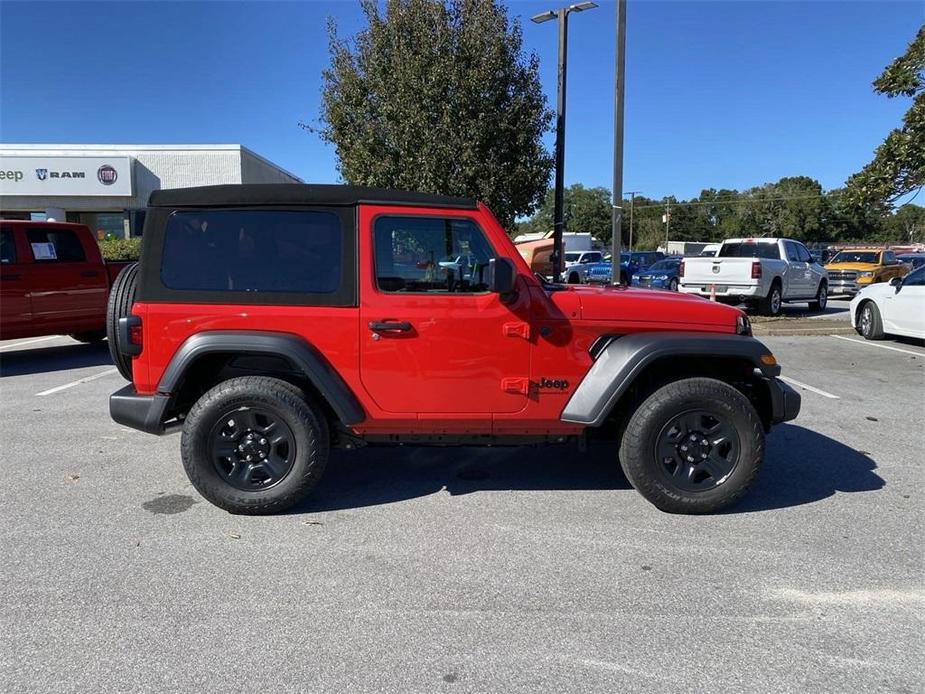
856 257
572 257
749 250
664 265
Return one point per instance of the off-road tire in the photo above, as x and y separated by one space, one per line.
89 337
822 298
121 298
288 403
770 306
869 323
640 462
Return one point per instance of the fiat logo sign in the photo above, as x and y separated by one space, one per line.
107 175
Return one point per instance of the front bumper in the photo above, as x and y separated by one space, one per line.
849 287
785 401
142 412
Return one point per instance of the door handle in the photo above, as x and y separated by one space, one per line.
390 326
89 273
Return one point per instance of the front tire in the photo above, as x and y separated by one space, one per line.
253 445
693 446
822 298
573 278
869 322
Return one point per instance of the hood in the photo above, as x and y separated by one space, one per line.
861 267
648 306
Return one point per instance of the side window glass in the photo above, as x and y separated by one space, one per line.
792 254
55 246
889 258
805 255
915 279
436 255
7 248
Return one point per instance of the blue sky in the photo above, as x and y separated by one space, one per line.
719 94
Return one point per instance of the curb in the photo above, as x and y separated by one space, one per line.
797 327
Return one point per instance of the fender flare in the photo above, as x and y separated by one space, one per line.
624 358
303 357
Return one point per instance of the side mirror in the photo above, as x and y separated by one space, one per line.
896 282
501 276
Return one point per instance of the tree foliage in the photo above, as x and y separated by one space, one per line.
583 210
439 97
898 166
794 207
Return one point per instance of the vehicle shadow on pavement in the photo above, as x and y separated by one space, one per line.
47 359
373 476
803 466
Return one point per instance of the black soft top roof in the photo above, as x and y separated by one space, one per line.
253 194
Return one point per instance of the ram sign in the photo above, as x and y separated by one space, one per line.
66 176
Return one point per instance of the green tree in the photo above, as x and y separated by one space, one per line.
583 210
793 207
439 97
898 166
906 225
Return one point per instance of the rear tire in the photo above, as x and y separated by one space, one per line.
90 337
822 298
673 285
664 456
121 298
771 305
256 417
869 323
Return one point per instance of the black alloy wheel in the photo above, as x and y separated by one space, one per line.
697 450
252 448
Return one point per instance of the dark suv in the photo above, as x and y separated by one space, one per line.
271 323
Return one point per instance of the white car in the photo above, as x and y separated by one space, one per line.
894 308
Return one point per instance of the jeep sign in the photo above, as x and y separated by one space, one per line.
65 176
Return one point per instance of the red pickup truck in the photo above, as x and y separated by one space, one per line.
53 281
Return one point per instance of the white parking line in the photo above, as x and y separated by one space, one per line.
874 344
30 342
58 389
809 388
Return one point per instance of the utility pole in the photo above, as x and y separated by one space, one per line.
558 213
667 222
632 194
618 93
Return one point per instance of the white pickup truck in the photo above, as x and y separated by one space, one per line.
764 272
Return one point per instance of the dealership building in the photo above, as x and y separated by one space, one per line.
103 185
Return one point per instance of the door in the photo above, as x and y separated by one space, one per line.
797 283
903 310
15 306
69 289
433 339
813 274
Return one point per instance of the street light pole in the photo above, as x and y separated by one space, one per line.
558 213
618 91
558 203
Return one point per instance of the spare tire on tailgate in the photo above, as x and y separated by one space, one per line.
121 298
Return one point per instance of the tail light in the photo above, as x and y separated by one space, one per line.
130 336
756 270
681 269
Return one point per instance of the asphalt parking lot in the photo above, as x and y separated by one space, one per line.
464 570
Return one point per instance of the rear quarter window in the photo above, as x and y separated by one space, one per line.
253 251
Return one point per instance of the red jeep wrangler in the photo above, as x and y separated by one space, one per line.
273 322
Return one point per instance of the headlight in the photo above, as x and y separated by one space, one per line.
743 325
866 274
661 277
